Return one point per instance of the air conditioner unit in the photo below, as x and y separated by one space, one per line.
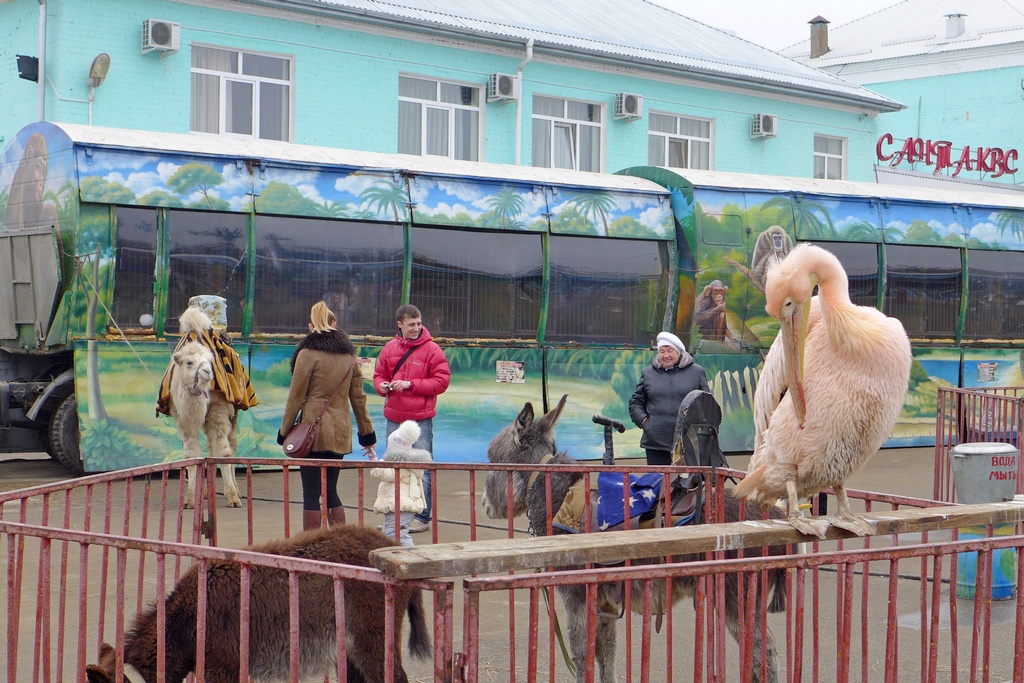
629 106
502 87
764 126
162 36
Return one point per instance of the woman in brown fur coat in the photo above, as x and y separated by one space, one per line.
322 361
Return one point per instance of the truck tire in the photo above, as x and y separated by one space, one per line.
64 436
43 435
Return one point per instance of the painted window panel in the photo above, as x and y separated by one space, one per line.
477 284
610 213
478 203
134 266
605 291
825 218
996 229
355 267
995 295
923 289
925 224
207 256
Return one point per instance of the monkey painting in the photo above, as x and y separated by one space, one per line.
771 247
709 314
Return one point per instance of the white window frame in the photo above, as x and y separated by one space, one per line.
227 77
546 157
825 156
688 140
450 108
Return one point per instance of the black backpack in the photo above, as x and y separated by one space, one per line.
696 442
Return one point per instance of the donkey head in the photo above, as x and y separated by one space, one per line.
525 441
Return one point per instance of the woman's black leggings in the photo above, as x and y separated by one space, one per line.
310 477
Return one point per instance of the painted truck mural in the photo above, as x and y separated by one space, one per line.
536 282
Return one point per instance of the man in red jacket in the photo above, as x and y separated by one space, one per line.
411 371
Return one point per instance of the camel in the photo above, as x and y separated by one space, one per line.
200 398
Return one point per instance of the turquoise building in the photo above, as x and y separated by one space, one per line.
958 68
592 85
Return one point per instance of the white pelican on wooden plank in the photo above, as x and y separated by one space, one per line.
830 392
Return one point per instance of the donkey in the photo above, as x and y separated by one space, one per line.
527 441
269 619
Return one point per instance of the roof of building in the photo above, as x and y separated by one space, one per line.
286 153
634 33
915 28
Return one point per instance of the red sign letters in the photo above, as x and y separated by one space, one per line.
939 153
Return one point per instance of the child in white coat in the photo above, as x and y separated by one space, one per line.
410 481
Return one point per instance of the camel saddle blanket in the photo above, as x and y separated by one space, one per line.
229 375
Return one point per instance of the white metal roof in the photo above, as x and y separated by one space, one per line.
841 188
621 32
914 28
287 152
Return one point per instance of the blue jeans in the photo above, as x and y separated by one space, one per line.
425 442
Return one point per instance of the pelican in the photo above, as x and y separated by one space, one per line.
831 389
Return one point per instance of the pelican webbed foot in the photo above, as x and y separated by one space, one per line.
811 526
853 523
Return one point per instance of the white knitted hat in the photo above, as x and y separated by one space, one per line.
404 437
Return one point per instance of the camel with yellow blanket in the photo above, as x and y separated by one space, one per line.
204 387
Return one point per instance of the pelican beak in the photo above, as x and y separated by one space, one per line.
794 333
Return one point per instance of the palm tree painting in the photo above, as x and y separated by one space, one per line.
810 220
508 204
1011 220
596 204
385 196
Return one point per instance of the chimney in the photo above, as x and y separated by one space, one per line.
955 24
819 36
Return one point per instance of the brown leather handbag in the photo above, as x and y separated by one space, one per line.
298 443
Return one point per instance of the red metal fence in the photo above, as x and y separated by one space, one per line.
81 558
993 415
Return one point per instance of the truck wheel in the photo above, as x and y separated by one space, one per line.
64 436
43 436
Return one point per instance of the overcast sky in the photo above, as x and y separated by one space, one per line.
776 24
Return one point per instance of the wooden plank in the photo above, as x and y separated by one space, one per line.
445 560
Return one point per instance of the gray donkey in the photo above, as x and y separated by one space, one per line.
527 441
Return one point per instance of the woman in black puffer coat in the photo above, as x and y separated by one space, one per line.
662 387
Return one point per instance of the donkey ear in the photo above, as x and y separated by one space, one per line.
525 419
94 674
547 423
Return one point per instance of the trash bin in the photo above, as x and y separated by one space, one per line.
985 473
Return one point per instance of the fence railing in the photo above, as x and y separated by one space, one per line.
992 414
81 558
